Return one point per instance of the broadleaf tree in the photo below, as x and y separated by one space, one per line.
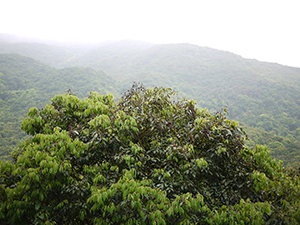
148 158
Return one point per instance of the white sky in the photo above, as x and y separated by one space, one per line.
267 30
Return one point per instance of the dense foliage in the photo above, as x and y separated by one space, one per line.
283 148
146 159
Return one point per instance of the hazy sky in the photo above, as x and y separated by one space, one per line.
262 29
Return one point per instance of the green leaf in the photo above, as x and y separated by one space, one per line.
37 205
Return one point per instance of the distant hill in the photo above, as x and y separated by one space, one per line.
60 55
265 96
53 55
27 83
113 57
13 38
256 93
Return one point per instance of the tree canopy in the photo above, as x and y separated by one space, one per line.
147 159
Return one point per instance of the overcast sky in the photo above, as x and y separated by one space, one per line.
262 29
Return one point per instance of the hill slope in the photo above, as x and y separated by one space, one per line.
263 95
27 83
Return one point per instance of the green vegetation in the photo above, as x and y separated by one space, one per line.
146 159
285 149
264 96
26 83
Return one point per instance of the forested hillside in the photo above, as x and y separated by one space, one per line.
263 96
26 83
